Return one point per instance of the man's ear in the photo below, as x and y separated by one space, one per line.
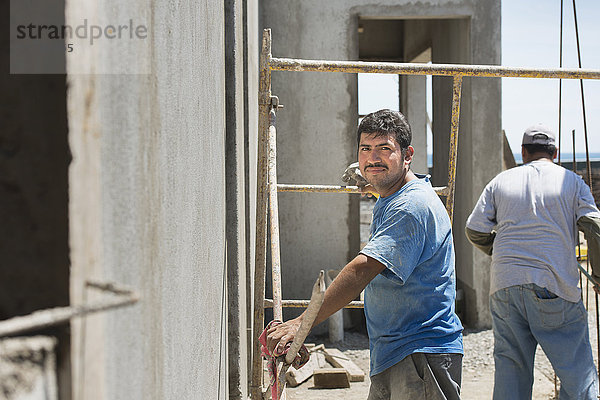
409 153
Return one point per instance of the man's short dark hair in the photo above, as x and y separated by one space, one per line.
540 148
386 122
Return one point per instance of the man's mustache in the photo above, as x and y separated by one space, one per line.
376 165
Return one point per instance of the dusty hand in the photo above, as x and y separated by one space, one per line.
368 190
279 335
353 175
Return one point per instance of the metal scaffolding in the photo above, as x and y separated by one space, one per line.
267 186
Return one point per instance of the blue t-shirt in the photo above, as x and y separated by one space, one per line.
410 305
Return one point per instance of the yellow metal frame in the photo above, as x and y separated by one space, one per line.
267 187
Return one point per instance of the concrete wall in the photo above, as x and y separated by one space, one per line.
316 129
157 174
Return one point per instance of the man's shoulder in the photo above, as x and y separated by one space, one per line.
525 169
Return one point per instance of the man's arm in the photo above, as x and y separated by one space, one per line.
347 286
483 241
590 226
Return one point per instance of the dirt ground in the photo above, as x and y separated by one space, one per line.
478 366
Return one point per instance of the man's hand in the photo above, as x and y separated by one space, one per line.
368 190
353 278
596 289
279 335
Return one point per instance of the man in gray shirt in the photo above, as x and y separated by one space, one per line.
527 219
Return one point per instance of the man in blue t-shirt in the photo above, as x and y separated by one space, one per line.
406 270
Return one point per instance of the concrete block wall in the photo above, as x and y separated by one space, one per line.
158 199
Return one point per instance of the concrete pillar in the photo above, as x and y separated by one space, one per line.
479 145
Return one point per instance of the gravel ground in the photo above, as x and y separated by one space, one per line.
478 370
478 366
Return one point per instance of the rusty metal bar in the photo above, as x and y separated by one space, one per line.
260 256
585 131
587 274
53 316
268 303
283 187
274 218
456 92
492 71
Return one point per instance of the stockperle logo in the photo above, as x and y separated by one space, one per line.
46 38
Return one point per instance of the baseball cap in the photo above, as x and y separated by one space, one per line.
539 134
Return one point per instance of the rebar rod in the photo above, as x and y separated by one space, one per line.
585 132
260 256
493 71
54 316
560 64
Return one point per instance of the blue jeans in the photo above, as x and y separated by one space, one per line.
522 317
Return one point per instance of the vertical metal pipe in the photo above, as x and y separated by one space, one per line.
560 85
585 134
264 100
456 92
274 218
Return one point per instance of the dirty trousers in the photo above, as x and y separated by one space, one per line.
419 376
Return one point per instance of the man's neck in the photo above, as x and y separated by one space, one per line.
543 157
409 176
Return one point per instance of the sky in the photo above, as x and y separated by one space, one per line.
531 38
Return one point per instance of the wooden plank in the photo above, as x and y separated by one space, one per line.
336 358
297 376
331 378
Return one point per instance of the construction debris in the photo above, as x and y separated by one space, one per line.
339 360
329 367
331 378
28 368
297 376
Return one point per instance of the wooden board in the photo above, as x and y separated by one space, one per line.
331 378
336 358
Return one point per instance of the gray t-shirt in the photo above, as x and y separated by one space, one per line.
534 209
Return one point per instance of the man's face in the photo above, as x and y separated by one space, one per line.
382 163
